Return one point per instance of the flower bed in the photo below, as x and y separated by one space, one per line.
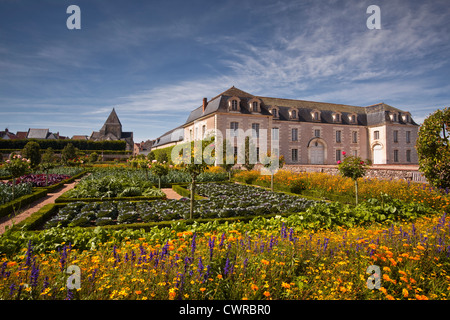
342 189
263 259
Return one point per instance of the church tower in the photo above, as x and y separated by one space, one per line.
112 125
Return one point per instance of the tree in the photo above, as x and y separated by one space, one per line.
17 166
159 170
272 164
195 163
249 163
47 162
32 151
433 148
354 168
69 152
228 160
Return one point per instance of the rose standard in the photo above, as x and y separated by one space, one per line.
354 168
17 166
159 170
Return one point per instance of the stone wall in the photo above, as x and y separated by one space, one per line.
406 172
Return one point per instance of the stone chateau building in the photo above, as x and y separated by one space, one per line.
308 132
112 130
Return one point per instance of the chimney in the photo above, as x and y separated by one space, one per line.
205 103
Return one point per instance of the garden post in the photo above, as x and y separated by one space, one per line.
271 181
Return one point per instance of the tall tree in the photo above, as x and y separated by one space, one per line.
32 151
433 148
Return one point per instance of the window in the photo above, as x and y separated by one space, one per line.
395 155
407 118
294 155
235 149
203 131
317 133
293 114
338 154
338 136
376 135
408 136
255 106
191 136
234 105
353 119
234 126
294 134
255 130
395 135
275 134
355 137
196 133
408 155
394 117
337 117
274 113
316 116
257 154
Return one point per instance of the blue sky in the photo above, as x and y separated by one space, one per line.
154 61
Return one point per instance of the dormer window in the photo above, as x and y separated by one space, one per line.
234 104
254 105
315 114
393 117
352 118
293 114
274 112
337 117
406 118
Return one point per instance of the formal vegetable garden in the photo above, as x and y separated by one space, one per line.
244 242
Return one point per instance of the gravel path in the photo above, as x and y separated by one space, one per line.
171 194
35 206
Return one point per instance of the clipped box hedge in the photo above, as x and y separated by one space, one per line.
19 203
63 199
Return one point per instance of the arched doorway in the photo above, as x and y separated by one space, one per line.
377 152
316 152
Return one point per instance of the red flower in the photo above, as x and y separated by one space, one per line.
362 162
344 153
339 162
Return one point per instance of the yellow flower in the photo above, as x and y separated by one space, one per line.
172 293
285 285
405 293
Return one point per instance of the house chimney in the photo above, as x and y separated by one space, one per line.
205 103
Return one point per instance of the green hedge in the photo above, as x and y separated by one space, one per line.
38 218
184 192
60 144
19 203
63 199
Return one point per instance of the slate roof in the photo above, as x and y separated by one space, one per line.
371 115
38 133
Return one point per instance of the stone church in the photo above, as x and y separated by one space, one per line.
112 130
